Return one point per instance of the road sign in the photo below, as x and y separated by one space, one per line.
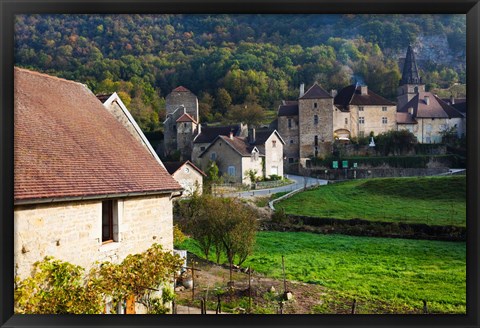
335 164
345 164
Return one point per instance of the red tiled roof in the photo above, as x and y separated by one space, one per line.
66 144
173 167
186 118
405 118
180 89
435 109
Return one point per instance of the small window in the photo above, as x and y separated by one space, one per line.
361 134
290 160
316 151
315 105
361 120
316 141
274 143
231 170
360 108
384 120
384 109
315 119
291 141
289 123
107 221
202 148
213 156
184 125
346 120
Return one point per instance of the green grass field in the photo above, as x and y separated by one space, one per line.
399 273
429 200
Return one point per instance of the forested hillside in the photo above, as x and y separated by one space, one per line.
228 60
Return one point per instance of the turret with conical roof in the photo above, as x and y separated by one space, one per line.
411 83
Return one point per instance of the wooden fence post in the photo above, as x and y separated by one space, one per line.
354 306
219 305
425 308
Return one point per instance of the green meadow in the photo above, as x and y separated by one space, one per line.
397 273
428 200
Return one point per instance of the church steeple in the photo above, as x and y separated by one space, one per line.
410 71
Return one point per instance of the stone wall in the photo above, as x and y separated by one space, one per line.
225 156
372 120
71 231
309 129
290 136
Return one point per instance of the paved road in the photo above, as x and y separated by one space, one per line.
300 182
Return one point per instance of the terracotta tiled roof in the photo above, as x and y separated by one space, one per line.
315 92
173 167
289 109
436 108
186 118
351 95
180 89
209 133
405 118
67 144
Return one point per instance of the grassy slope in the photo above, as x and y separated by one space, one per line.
399 272
430 200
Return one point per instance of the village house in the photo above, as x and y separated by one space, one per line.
188 175
85 189
236 156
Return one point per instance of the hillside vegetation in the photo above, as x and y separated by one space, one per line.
230 60
429 200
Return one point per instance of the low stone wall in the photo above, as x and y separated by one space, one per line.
360 227
376 172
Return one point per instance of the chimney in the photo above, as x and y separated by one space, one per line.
410 110
251 135
452 100
231 135
333 93
302 90
363 90
427 100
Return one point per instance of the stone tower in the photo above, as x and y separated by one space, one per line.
411 83
179 102
315 116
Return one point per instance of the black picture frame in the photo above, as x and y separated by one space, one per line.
9 8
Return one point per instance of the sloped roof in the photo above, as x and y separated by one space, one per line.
173 167
436 108
315 92
351 95
209 133
239 144
180 89
289 109
186 118
405 118
67 145
459 104
261 136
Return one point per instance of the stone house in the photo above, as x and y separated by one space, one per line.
360 111
235 156
181 122
428 116
423 113
85 188
188 175
207 134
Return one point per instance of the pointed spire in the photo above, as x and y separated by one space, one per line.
410 70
